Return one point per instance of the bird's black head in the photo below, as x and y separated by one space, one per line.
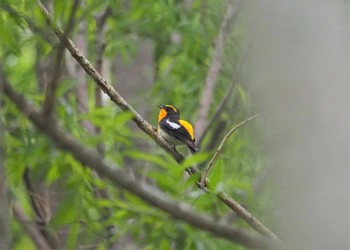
168 110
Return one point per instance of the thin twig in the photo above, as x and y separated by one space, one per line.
210 165
214 69
31 228
49 101
118 176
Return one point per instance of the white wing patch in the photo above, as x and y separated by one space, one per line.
173 124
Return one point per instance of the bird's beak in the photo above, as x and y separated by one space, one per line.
161 106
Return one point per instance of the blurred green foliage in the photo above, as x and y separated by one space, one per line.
180 69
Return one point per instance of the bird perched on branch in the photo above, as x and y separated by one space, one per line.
174 130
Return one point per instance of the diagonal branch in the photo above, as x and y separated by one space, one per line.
245 215
108 89
120 101
147 193
214 69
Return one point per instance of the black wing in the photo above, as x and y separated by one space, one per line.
179 132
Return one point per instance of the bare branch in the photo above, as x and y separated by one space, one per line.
49 101
244 214
31 228
210 165
147 193
213 71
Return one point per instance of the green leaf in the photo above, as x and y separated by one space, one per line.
73 236
158 160
53 174
66 214
8 35
195 159
216 175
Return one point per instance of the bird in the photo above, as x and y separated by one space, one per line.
173 129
